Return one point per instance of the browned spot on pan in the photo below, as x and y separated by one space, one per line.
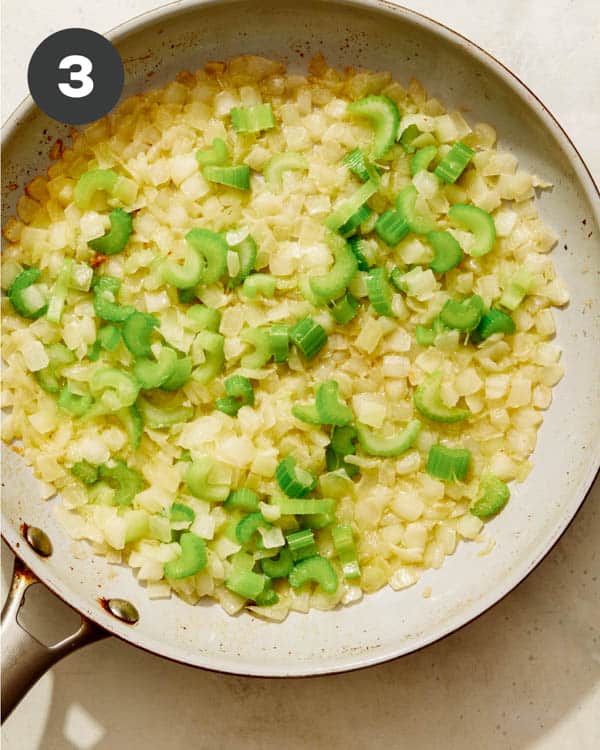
57 149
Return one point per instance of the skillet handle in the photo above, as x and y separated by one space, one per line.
24 659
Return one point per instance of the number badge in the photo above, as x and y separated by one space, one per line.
75 76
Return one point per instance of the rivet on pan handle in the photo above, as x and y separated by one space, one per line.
24 659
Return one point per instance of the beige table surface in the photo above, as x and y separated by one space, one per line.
525 675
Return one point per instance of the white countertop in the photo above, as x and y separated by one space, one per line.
524 676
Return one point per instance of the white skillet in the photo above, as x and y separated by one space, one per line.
376 35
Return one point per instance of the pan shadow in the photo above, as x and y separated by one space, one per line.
503 683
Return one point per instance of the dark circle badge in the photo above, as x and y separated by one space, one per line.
75 76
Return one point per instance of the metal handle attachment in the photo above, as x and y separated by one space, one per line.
24 659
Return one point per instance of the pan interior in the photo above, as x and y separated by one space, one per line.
155 48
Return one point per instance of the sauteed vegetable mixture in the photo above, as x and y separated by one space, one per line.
279 339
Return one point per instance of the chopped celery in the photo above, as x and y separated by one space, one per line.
279 342
126 482
378 445
154 373
428 401
239 393
242 499
137 331
391 227
25 296
180 513
260 338
356 163
447 252
344 309
85 472
517 289
160 416
246 251
463 315
309 337
192 560
116 239
448 464
198 483
330 408
109 337
237 177
114 389
477 221
495 321
245 583
132 421
329 286
304 506
343 542
259 284
105 291
216 155
315 569
252 119
77 405
212 247
383 115
203 318
280 163
278 567
91 182
406 206
59 293
494 496
454 163
357 245
421 159
293 480
408 136
346 209
248 526
380 292
301 544
181 373
213 346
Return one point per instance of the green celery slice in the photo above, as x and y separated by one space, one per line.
216 155
384 116
477 221
192 560
116 239
406 206
137 331
212 247
252 119
377 445
246 251
315 569
428 401
330 285
25 297
421 159
90 183
494 496
280 163
380 292
448 464
237 177
447 252
454 163
462 315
